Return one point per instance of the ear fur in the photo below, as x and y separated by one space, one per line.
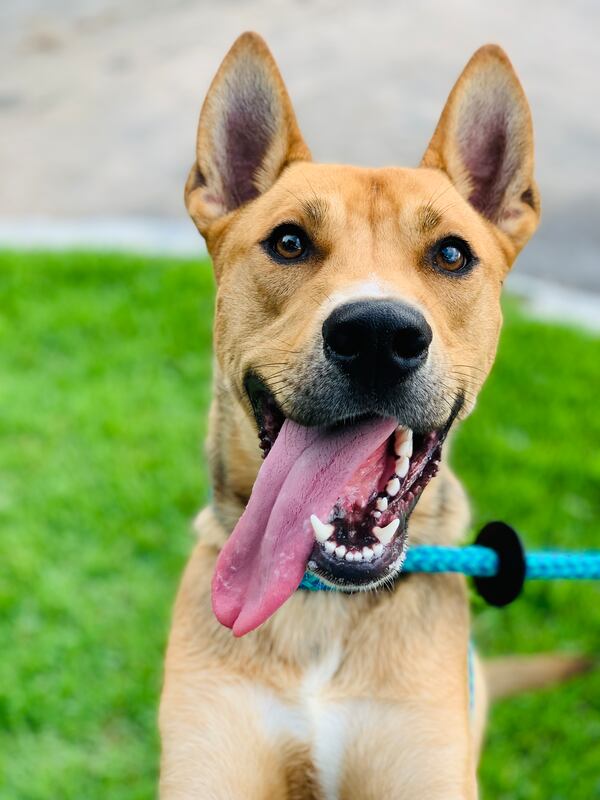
247 133
484 142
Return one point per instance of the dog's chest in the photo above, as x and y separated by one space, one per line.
313 719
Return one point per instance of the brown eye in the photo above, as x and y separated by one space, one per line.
452 255
288 243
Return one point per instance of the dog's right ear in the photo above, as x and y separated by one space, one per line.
246 136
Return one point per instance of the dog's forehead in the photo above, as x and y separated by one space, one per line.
334 195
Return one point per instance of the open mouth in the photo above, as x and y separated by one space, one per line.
333 500
361 542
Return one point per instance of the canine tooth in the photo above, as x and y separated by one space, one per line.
349 556
385 535
367 553
382 503
340 551
377 549
402 465
377 514
321 529
329 547
393 487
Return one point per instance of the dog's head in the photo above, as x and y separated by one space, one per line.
358 313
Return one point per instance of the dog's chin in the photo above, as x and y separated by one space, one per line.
362 542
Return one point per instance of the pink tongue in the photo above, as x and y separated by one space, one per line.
264 559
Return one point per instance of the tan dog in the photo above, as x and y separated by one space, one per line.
358 312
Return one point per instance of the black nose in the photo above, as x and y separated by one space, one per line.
376 342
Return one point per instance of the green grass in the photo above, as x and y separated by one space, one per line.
105 365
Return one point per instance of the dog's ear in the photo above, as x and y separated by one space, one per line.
484 142
247 133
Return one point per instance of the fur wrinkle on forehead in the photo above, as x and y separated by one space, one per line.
316 210
428 218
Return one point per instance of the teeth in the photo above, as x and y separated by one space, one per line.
405 449
329 547
340 551
402 465
403 442
367 553
349 556
321 529
385 535
377 549
377 514
393 487
382 503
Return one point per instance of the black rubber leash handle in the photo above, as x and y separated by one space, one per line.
507 584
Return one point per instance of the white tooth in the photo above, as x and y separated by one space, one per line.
349 556
367 553
402 465
321 529
403 437
377 514
405 448
382 503
378 549
340 551
358 555
393 487
385 535
329 547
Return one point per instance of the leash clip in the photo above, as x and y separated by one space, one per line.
506 585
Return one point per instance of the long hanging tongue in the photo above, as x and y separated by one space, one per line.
263 561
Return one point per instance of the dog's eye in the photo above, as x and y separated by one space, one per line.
288 242
452 255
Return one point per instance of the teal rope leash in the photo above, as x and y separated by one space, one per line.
498 563
482 562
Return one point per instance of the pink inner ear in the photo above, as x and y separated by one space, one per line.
488 151
247 130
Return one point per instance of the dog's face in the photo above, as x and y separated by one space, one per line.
348 296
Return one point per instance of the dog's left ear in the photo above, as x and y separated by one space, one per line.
484 143
247 134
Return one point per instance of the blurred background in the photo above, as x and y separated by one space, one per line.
105 319
99 100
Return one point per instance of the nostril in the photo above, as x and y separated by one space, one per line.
344 340
411 342
371 338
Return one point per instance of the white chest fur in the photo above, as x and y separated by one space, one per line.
312 719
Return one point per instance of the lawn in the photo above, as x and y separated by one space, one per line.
105 365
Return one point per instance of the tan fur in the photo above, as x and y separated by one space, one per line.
350 696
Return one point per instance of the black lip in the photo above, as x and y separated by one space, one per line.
352 576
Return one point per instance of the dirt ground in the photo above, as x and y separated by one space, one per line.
99 99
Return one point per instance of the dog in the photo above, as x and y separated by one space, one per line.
357 317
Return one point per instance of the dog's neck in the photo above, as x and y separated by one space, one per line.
440 517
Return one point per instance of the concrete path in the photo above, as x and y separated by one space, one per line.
99 98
